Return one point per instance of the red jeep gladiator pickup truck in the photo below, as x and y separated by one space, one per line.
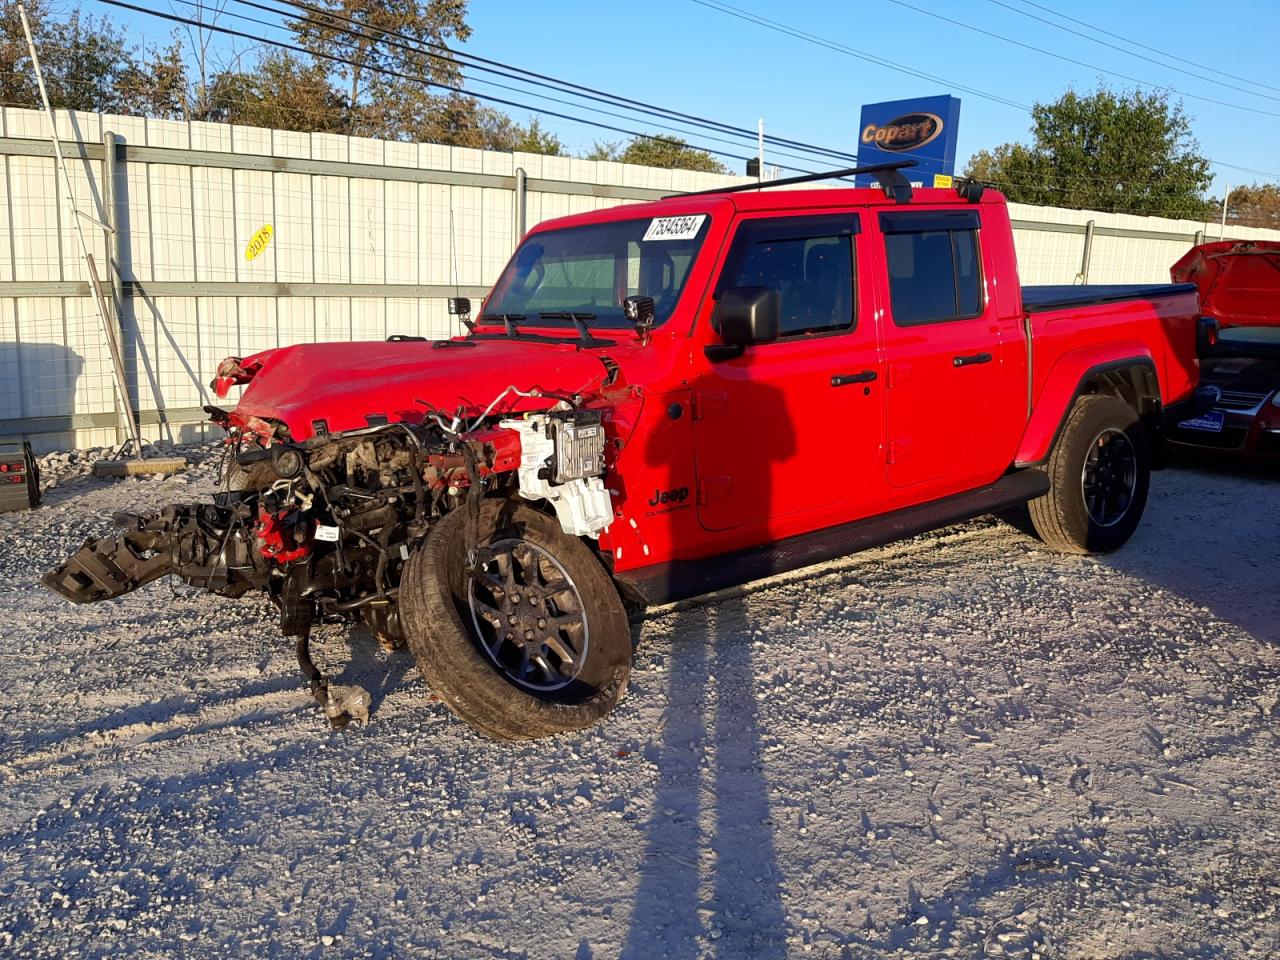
660 400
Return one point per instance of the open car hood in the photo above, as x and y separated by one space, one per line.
346 384
1239 281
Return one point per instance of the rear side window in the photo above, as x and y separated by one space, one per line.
934 267
808 260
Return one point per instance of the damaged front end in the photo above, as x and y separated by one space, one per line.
199 543
325 525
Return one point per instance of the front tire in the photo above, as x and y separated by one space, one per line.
536 643
1099 473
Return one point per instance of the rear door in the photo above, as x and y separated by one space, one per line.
793 427
943 350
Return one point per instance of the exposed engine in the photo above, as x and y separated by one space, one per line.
325 525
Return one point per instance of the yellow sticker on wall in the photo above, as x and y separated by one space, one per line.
258 242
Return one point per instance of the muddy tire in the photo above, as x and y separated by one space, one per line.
537 643
1099 473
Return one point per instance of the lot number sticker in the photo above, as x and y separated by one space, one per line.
258 242
674 228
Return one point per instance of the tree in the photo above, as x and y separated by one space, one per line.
671 153
87 65
377 49
1255 205
537 139
155 86
1128 152
280 91
388 55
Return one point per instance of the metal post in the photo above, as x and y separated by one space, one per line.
1198 238
522 197
113 342
115 247
1087 254
760 148
1226 197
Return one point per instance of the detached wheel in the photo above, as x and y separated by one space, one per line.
535 643
1099 473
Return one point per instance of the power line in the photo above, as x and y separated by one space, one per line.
575 119
725 8
751 134
1130 53
722 7
488 65
176 18
1094 66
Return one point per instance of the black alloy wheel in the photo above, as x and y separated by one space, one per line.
1110 477
528 616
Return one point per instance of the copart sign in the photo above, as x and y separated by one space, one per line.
923 130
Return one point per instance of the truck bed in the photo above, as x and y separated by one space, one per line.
1060 296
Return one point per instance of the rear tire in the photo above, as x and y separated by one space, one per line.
507 680
1099 473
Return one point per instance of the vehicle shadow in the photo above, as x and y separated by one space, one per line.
710 879
180 715
1209 536
367 665
710 873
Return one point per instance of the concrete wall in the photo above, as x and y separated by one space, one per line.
369 239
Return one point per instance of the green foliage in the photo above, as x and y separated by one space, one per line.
381 69
88 65
605 150
384 86
536 139
1129 152
671 153
279 91
1255 205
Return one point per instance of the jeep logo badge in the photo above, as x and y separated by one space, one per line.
907 132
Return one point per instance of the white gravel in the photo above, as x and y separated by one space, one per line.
962 745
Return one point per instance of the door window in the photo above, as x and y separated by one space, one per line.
807 260
934 271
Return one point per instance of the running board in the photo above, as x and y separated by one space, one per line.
666 582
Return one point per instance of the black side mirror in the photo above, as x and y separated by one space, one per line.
747 315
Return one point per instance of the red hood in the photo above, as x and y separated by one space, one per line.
345 383
1239 280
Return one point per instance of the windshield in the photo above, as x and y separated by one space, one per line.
592 269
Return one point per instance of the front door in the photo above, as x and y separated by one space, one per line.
945 360
792 428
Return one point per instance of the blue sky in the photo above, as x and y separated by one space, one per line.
683 55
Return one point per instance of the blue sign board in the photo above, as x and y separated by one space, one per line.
923 130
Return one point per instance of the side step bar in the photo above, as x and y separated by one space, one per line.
680 579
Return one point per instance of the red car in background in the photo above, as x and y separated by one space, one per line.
1237 404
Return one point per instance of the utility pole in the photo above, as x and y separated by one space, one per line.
760 149
1225 197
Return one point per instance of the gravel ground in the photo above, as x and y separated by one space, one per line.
961 745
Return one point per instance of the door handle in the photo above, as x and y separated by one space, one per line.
844 379
972 358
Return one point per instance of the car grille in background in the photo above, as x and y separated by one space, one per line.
1239 400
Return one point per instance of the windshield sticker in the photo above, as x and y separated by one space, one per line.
674 228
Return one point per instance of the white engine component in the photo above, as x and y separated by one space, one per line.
582 505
